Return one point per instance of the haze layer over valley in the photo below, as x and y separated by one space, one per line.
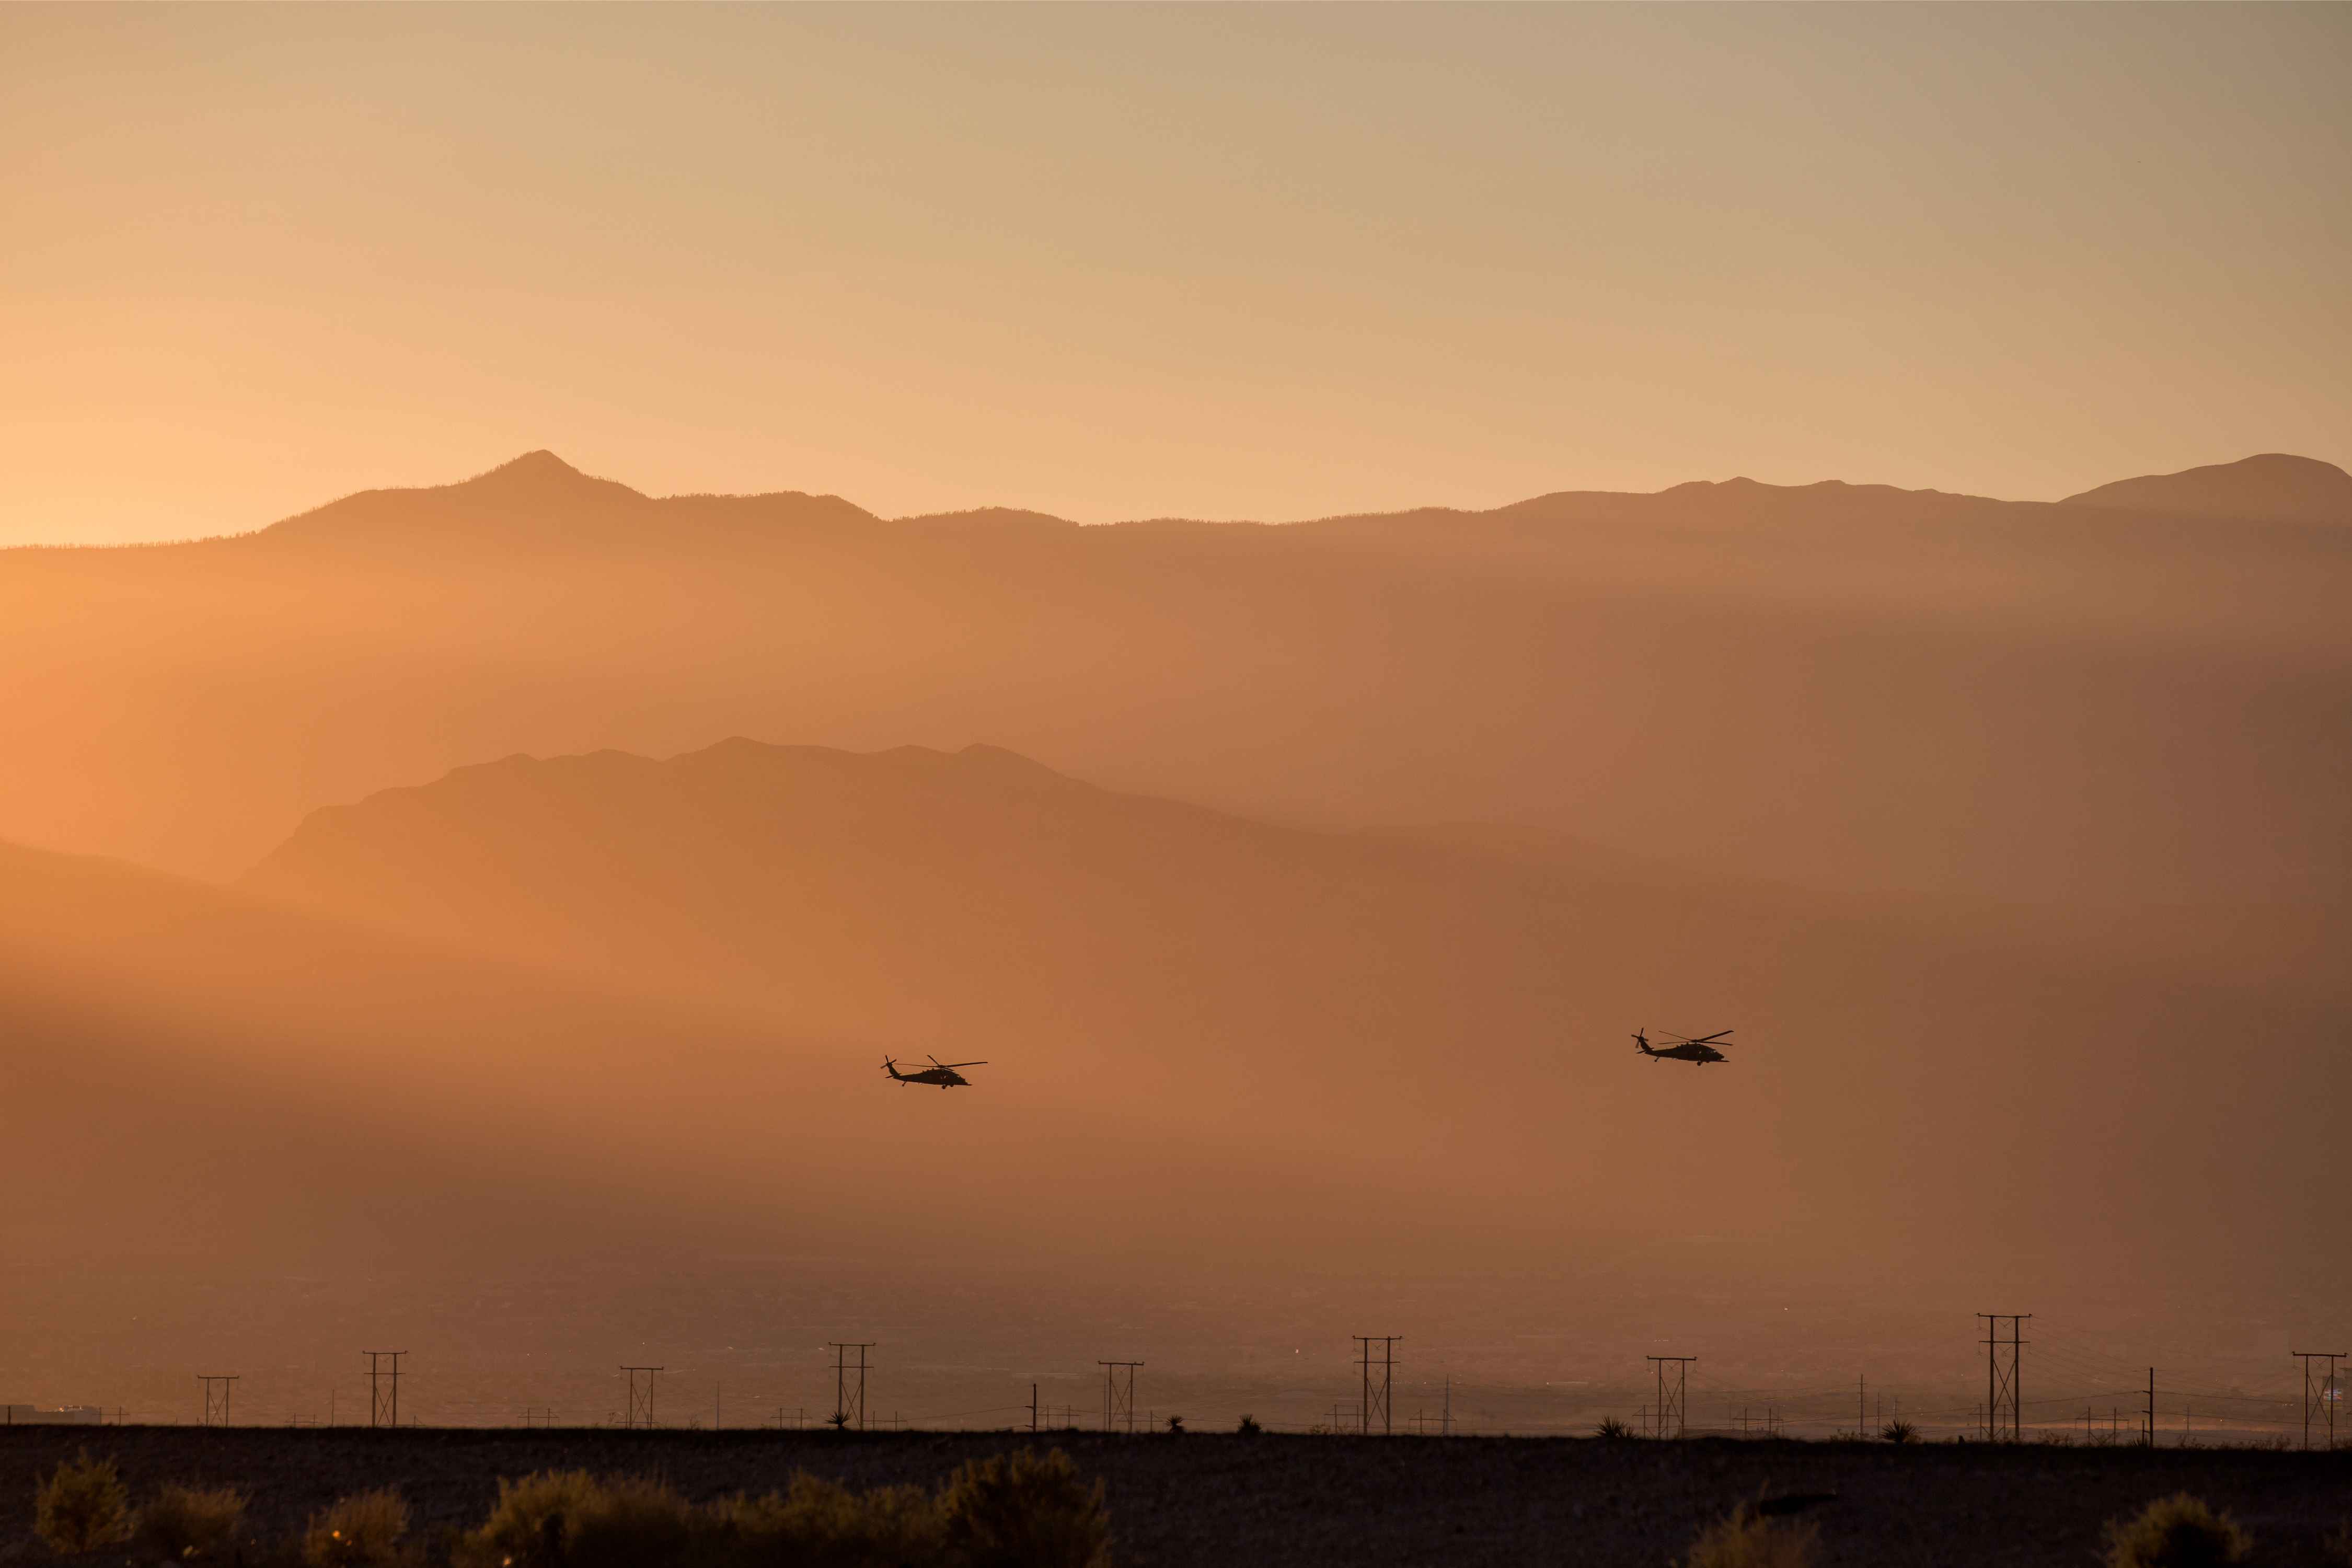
1300 886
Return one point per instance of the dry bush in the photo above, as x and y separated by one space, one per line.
817 1524
1014 1511
1746 1538
1612 1428
629 1521
82 1506
1017 1510
526 1529
2177 1532
1899 1432
190 1524
570 1518
364 1530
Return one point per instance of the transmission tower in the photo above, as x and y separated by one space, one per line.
1671 1403
1119 1404
641 1397
1375 1405
383 1387
849 1397
2319 1396
217 1389
2004 1384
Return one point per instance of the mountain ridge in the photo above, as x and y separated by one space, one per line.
1834 685
2270 486
2275 487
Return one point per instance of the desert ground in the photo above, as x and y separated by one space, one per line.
1208 1498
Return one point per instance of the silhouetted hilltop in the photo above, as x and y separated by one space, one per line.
539 502
2273 488
1465 993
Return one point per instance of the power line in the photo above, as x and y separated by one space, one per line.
2319 1397
848 1399
2004 1385
1378 1403
383 1387
1118 1405
216 1391
1673 1406
640 1411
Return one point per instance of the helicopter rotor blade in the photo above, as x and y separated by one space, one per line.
937 1060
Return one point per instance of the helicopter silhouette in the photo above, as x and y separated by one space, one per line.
1699 1052
944 1074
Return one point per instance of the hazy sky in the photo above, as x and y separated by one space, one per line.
1119 261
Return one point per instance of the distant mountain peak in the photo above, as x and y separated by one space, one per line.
540 472
541 461
2273 486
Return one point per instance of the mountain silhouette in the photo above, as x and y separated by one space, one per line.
2272 487
1849 685
537 501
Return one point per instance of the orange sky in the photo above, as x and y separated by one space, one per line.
1125 261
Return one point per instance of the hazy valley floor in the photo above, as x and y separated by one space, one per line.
1215 1498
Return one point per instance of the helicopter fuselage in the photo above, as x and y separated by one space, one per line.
945 1077
1697 1054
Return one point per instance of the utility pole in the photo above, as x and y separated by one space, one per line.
1119 1404
1671 1418
383 1387
1032 1407
641 1397
2148 1431
1377 1403
2319 1397
216 1391
849 1399
1861 1407
2004 1386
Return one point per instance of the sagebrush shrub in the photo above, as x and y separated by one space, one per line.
190 1524
2177 1532
1017 1510
82 1506
1746 1538
817 1524
526 1527
364 1530
628 1521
